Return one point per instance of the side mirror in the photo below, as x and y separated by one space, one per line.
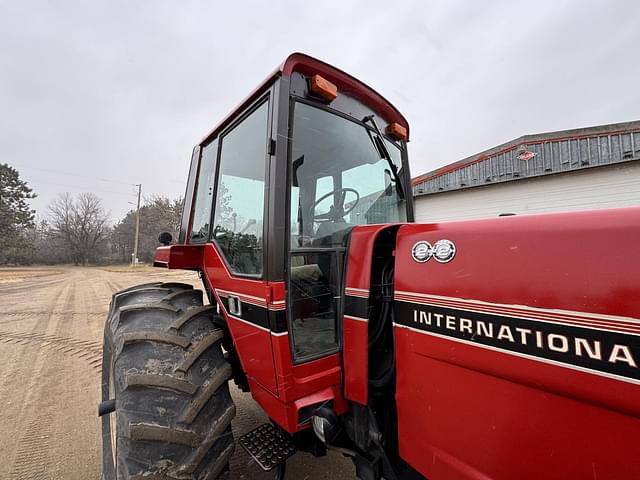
165 238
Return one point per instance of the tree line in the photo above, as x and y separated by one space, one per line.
76 229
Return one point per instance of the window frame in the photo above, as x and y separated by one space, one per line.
401 145
196 186
266 98
188 202
338 253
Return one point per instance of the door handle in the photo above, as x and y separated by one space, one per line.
235 305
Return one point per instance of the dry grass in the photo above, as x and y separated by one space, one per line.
129 268
20 273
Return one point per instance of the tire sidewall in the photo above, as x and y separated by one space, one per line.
108 467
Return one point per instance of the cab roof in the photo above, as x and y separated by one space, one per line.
307 65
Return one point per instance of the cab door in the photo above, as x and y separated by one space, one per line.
235 233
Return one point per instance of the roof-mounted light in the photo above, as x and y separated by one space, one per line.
396 131
323 88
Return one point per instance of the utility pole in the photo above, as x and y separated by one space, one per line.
135 245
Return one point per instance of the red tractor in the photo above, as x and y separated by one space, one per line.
496 349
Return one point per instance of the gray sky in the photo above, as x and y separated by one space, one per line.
93 90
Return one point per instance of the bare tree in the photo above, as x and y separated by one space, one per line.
158 214
81 224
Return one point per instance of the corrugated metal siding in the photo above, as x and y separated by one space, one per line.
604 187
592 148
376 209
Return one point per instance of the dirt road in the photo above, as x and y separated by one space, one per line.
50 353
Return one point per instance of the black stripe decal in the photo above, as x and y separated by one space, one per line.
256 315
251 313
356 306
603 351
278 321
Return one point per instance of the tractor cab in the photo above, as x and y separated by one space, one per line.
273 196
274 192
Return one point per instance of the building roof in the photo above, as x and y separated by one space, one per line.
536 155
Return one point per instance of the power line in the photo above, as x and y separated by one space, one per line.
58 172
83 188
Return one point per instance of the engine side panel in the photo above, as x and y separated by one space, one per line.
519 357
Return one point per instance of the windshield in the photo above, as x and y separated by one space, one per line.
339 179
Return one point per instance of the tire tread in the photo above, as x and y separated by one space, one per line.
173 407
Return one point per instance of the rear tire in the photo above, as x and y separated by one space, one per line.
163 363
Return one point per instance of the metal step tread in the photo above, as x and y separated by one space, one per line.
267 446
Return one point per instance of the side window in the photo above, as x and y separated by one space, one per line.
314 280
239 212
188 195
204 194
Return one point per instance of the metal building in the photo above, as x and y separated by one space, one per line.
587 168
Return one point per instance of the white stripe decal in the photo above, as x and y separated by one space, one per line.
541 315
220 306
243 295
592 324
357 292
547 311
539 312
276 305
279 334
359 319
563 317
523 355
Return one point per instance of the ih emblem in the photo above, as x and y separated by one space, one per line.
443 251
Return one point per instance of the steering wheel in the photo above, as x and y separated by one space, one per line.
336 212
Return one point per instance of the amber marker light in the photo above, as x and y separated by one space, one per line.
396 131
323 88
